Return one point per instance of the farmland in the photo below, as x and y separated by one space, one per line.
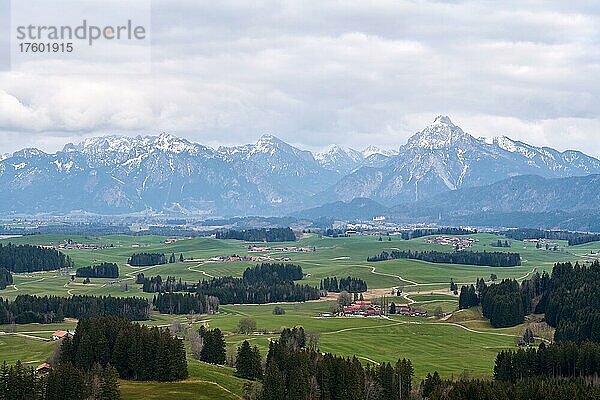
460 343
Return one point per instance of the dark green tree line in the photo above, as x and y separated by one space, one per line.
348 284
28 258
146 259
138 352
6 278
64 381
259 235
102 270
486 258
27 308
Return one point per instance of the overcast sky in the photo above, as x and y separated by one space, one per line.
315 72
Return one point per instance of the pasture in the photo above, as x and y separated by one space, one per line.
460 343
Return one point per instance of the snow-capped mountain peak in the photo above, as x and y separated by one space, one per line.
268 144
370 150
335 150
339 159
116 144
30 152
440 134
169 143
163 172
443 120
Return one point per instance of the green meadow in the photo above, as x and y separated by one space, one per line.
460 343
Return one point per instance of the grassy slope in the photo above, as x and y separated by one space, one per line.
446 347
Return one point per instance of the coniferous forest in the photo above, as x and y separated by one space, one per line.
264 283
185 303
417 233
147 259
268 273
573 238
28 258
27 308
6 278
348 284
259 235
557 360
571 303
137 352
64 381
569 298
506 303
502 304
102 270
485 258
294 371
526 389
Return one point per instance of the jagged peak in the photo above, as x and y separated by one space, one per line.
441 133
29 152
370 150
334 151
443 119
268 138
125 144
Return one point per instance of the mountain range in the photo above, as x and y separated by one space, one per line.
166 174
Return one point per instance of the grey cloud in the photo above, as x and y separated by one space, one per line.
348 72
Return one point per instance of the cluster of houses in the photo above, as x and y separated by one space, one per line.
255 249
362 308
457 242
174 239
80 246
234 258
365 308
407 310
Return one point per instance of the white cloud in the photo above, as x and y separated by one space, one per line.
348 72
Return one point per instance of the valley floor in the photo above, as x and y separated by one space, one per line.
459 343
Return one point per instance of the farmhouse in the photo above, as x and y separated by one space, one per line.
57 335
407 310
362 308
458 242
43 369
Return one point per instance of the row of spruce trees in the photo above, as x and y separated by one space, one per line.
264 283
6 278
573 238
185 303
137 352
259 235
146 259
348 284
64 381
486 258
569 298
28 308
102 270
417 233
29 258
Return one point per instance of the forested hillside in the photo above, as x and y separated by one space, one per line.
28 258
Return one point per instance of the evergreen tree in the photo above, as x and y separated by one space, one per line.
248 362
273 382
214 349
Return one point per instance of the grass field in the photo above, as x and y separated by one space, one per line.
462 343
339 257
